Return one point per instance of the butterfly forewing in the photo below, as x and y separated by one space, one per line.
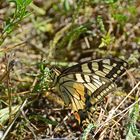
109 68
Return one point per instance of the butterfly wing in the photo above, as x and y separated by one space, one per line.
84 84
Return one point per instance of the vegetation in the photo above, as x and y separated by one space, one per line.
36 35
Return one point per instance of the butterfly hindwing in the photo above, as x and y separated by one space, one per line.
82 91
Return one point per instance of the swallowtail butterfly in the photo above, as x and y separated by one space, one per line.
83 85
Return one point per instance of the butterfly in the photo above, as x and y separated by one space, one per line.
83 85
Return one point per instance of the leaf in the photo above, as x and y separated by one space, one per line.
132 131
44 120
4 113
66 5
87 131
